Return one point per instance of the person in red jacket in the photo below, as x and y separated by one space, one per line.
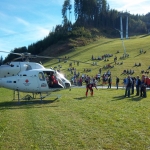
90 87
148 82
52 80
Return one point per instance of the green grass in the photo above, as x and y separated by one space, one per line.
105 121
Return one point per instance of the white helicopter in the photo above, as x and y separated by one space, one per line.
31 77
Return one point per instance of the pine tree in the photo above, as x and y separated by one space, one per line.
1 60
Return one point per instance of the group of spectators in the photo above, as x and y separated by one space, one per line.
130 83
140 84
106 75
142 51
146 72
78 81
103 57
128 71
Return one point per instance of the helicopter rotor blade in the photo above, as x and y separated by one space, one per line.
28 56
20 54
17 58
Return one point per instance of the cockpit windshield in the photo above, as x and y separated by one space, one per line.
63 80
60 78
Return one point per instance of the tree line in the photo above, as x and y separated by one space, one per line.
88 14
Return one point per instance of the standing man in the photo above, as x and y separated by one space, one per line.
143 87
117 82
128 86
109 82
133 83
137 84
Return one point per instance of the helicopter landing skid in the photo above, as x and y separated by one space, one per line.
29 97
49 95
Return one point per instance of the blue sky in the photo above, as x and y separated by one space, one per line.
23 22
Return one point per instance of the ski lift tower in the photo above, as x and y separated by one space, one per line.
121 26
122 41
121 31
127 15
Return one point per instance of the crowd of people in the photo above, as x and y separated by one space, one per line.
130 83
140 84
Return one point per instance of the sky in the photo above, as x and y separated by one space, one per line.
24 22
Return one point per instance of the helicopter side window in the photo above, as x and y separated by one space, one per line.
11 65
41 76
28 67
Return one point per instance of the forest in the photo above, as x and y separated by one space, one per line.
92 18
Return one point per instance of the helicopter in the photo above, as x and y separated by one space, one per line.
31 77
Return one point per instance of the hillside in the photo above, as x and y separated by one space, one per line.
106 46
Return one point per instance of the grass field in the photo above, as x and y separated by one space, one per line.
105 121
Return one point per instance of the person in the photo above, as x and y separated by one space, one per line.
90 87
117 82
52 80
109 82
98 77
87 80
80 81
143 87
128 86
137 84
132 86
124 82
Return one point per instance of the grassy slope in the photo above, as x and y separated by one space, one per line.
109 46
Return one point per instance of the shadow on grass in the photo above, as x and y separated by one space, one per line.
136 98
131 98
25 104
116 98
137 55
80 98
110 89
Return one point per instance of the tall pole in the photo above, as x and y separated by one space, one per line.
127 27
122 42
123 47
121 27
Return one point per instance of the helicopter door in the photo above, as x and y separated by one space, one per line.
52 80
42 82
